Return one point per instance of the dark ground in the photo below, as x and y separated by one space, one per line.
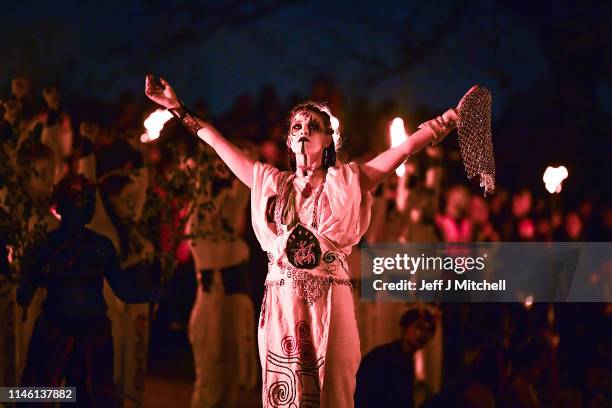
170 376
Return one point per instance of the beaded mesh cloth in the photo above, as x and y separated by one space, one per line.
474 127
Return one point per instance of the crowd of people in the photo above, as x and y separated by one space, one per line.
472 354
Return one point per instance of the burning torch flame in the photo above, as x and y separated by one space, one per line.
419 365
553 177
398 136
10 256
528 302
335 124
154 124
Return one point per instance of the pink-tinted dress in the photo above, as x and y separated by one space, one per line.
308 338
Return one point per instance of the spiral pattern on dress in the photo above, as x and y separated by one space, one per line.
280 394
330 257
302 329
289 345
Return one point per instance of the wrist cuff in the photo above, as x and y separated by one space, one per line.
187 118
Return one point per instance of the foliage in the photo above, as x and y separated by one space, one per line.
23 220
178 194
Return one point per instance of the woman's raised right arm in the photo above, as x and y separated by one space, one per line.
238 161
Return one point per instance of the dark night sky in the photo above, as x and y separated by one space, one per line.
107 47
547 63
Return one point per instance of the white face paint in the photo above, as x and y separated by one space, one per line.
307 134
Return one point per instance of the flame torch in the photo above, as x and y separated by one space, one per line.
398 135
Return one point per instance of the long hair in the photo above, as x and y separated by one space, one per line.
329 153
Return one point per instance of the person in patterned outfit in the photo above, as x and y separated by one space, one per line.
222 320
307 220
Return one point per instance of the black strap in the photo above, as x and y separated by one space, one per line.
189 119
235 279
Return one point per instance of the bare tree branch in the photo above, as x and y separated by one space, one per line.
381 69
213 18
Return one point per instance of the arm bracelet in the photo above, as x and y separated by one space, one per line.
187 118
439 128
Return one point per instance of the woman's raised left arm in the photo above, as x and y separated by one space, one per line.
238 161
433 131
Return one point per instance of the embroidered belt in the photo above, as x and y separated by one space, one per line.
308 286
333 264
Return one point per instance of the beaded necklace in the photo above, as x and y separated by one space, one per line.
283 196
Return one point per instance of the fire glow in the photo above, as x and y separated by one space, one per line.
398 135
553 177
154 124
335 124
528 302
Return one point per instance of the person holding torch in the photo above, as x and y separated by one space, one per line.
307 220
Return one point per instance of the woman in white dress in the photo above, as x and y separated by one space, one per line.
222 322
307 221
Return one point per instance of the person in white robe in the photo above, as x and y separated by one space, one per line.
307 220
222 322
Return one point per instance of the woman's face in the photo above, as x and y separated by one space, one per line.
307 134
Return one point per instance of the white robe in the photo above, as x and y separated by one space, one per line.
221 326
308 338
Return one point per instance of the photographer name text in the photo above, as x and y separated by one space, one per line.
440 285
